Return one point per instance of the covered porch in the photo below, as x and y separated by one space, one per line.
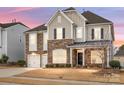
86 55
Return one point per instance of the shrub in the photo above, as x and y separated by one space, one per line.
49 65
115 64
21 63
0 60
4 58
68 65
58 65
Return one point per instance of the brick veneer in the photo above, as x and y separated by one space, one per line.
39 45
58 44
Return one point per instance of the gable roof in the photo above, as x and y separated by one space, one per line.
93 18
6 25
38 28
59 11
68 9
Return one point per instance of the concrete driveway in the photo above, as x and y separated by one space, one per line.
9 72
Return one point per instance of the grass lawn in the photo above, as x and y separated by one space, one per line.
8 66
30 82
73 74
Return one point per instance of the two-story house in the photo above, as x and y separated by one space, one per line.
73 38
12 40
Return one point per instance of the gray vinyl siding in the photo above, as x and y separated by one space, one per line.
79 21
15 48
64 24
107 31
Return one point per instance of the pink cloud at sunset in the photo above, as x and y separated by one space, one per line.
22 9
19 18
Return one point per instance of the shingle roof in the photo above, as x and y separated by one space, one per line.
120 53
70 8
90 43
93 18
6 25
38 28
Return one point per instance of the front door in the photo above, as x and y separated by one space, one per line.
80 58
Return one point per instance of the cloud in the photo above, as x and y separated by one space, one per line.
22 9
20 18
18 9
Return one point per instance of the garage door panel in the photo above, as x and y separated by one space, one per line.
44 60
34 61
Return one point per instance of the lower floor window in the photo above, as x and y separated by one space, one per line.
59 56
97 56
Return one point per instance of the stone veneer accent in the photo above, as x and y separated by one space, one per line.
58 44
39 45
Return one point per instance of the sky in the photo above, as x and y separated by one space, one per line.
34 16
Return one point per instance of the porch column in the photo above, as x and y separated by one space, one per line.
108 55
83 49
71 57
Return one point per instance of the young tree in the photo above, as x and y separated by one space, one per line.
102 54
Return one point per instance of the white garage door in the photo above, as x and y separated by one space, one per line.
59 56
34 61
44 60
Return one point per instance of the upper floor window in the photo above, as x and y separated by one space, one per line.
97 33
79 32
59 19
92 33
33 42
59 33
102 33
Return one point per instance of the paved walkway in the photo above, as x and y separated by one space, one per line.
68 82
9 72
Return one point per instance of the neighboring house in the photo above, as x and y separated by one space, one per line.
73 38
12 40
120 56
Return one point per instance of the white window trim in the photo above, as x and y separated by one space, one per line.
59 33
97 33
34 47
79 34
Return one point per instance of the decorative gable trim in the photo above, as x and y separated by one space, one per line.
59 11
